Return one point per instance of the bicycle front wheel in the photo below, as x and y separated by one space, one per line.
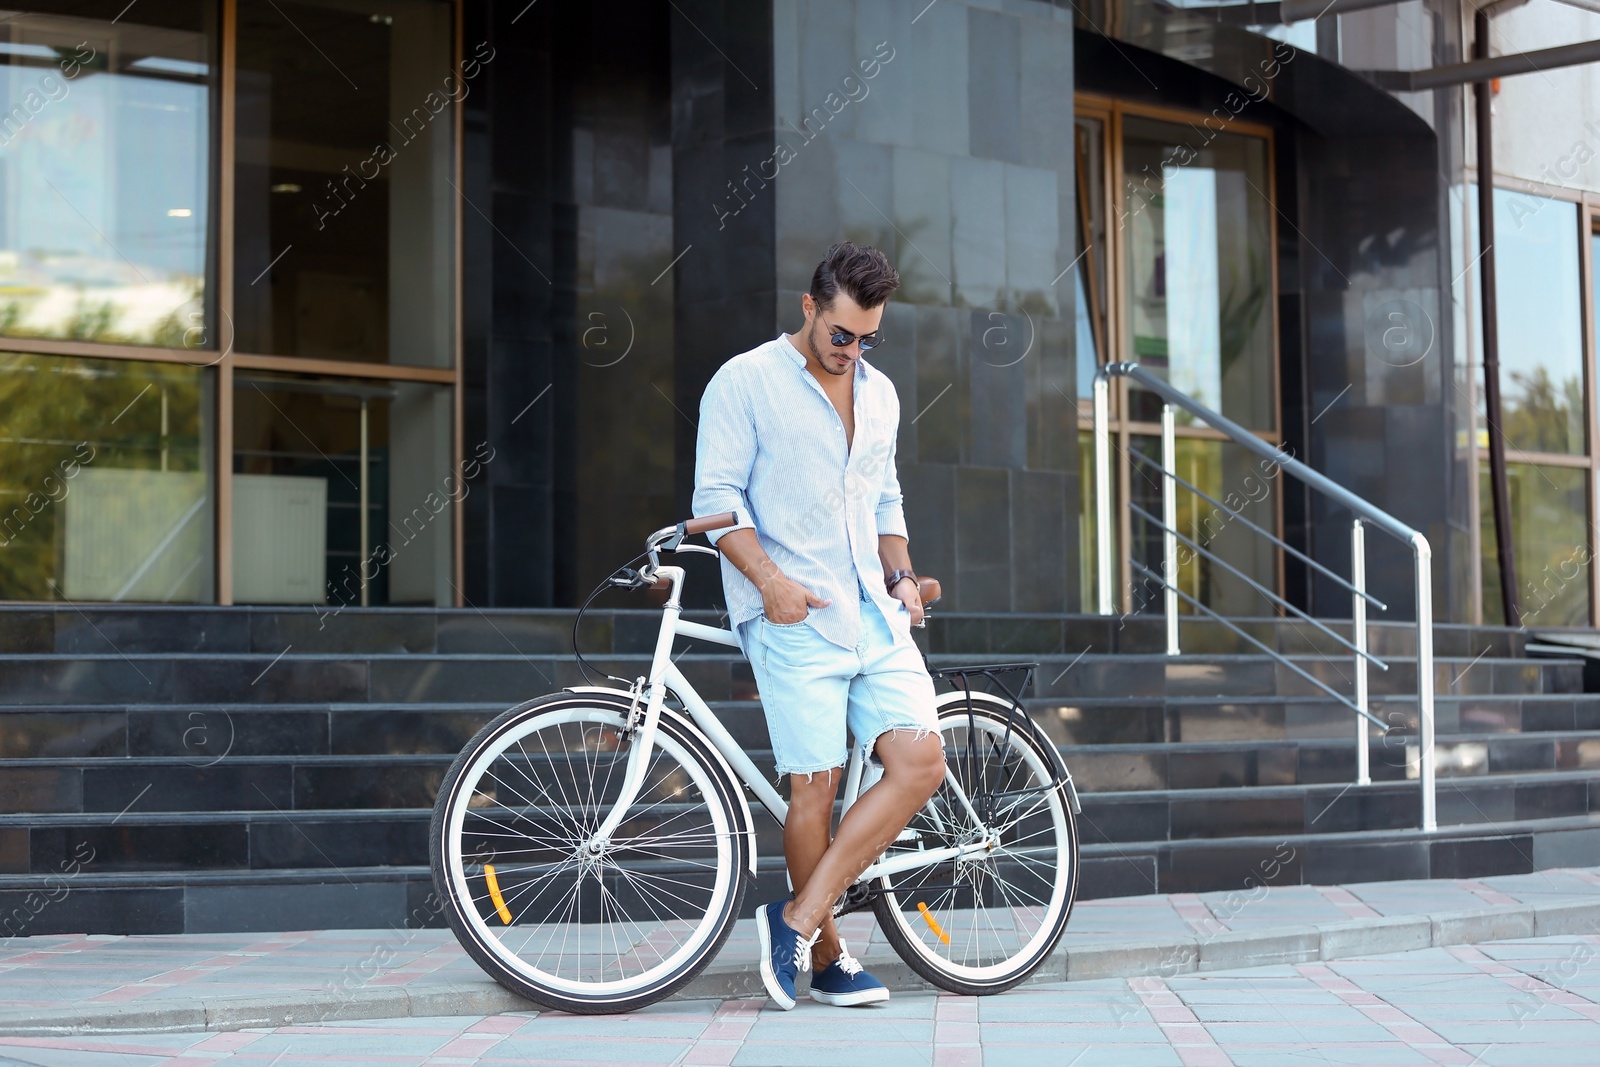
983 923
545 910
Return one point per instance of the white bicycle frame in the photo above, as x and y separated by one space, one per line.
664 675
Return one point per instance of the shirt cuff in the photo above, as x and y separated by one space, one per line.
743 523
892 521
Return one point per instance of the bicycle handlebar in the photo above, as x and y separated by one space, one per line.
709 522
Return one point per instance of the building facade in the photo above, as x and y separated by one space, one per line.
411 302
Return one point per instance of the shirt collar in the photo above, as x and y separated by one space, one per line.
863 368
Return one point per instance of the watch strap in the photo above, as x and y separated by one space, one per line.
896 577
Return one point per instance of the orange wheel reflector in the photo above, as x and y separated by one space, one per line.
500 901
927 917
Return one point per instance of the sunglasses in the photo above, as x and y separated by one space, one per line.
868 341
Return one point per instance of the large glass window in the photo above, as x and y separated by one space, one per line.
1540 310
342 195
1539 288
105 150
104 470
1177 276
1196 224
1549 535
342 492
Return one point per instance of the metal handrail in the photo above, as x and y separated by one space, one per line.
1365 512
1239 517
1202 550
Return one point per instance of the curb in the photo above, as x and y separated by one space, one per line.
1162 957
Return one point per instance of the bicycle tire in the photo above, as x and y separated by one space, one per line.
914 932
472 911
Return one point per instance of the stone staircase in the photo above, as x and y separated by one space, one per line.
207 769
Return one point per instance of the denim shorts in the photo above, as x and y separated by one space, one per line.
812 689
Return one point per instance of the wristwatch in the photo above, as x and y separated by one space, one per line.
895 578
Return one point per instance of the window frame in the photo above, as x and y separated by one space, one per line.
1112 329
220 358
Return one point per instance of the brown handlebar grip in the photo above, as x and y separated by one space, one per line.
710 522
929 590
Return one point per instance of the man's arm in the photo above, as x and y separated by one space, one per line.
725 454
892 535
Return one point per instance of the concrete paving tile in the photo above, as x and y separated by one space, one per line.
1160 1055
1295 1032
1546 1055
1023 1033
1392 1054
1263 1011
538 1050
1514 1033
764 1054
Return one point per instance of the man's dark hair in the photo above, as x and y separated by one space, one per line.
861 271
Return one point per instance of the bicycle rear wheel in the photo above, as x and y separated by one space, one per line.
983 924
548 915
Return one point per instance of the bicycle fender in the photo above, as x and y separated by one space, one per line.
747 826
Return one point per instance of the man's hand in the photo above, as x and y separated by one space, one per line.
786 601
906 591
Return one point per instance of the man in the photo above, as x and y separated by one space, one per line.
797 437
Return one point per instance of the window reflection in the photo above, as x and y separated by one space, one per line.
1199 268
104 157
103 480
342 198
308 454
1547 526
1539 297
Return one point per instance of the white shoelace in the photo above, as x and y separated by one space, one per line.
802 950
847 963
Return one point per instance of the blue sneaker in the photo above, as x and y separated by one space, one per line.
784 953
844 984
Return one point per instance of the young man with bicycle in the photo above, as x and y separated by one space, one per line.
797 438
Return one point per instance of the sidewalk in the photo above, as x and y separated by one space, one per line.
225 982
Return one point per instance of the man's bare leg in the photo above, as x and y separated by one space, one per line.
913 769
807 832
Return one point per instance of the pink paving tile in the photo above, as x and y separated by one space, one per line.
468 1047
226 1042
954 1009
1187 1034
122 994
189 1061
954 1056
1203 1056
1172 1015
1346 901
1484 893
712 1054
955 1033
498 1024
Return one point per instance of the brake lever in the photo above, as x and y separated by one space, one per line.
697 548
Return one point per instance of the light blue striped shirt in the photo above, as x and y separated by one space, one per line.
772 449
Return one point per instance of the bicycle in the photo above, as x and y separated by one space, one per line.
591 846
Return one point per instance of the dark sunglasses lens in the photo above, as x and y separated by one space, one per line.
841 339
870 341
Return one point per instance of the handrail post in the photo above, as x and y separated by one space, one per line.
1102 489
1424 557
1358 623
1169 517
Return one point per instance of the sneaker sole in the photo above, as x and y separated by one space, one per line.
768 977
851 1000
